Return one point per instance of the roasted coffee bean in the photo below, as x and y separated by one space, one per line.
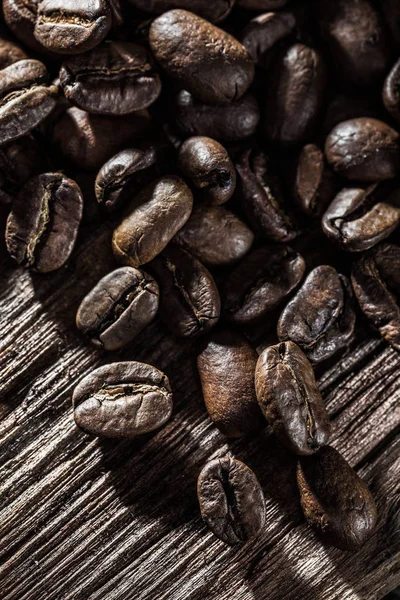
364 149
226 368
237 121
359 218
290 400
10 53
264 31
315 185
73 26
231 500
262 4
43 224
25 98
376 283
190 303
295 95
88 141
117 309
20 16
207 164
320 318
215 236
122 400
355 39
212 11
262 196
261 282
335 501
205 60
391 92
116 78
153 218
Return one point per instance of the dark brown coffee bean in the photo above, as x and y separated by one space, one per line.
355 39
116 78
20 16
122 400
262 196
262 4
391 92
190 303
207 164
116 310
364 149
359 218
215 236
226 368
295 95
153 218
186 45
212 11
264 31
237 121
315 185
25 98
376 283
290 400
43 224
10 53
231 500
261 282
335 501
320 318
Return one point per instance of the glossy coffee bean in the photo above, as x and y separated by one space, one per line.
391 92
315 185
190 304
215 236
43 224
376 283
364 149
290 400
359 218
226 368
73 26
207 165
262 4
122 400
116 78
116 310
153 218
237 121
262 196
261 282
26 99
335 501
231 500
186 45
20 17
320 318
264 31
10 53
295 95
212 11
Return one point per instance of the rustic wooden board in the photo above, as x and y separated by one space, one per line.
84 519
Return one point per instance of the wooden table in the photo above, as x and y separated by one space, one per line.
85 519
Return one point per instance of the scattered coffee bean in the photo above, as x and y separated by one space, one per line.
20 16
264 31
391 92
212 11
10 53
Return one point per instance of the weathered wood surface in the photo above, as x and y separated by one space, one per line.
83 519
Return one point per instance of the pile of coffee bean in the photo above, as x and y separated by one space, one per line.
208 136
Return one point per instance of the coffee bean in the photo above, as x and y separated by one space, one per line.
207 164
116 78
391 92
237 121
335 501
262 4
359 218
264 31
122 400
154 217
186 45
212 11
116 310
290 400
215 236
226 368
190 303
10 53
364 149
25 98
262 196
261 282
376 283
43 224
295 95
20 16
320 318
231 500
